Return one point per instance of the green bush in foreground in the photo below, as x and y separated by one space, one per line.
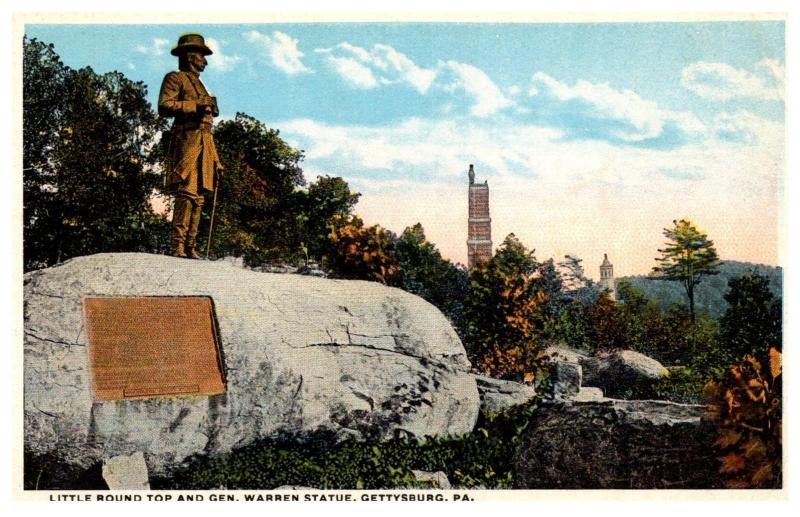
484 458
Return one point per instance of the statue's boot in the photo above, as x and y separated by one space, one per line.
194 226
181 217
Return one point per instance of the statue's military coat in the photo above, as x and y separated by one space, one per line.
190 148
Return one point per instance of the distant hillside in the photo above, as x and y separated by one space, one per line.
710 291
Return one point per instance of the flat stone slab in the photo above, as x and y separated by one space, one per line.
497 394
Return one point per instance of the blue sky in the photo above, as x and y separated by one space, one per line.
593 137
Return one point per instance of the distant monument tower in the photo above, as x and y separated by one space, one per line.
479 232
607 277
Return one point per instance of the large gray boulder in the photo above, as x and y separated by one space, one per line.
608 443
301 354
622 373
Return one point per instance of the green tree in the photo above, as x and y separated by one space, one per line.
688 256
645 328
328 206
260 202
503 309
607 329
752 324
88 161
569 303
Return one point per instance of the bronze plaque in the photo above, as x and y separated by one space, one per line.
151 346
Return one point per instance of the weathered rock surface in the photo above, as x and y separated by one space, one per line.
436 479
126 472
589 395
618 371
566 373
301 354
617 444
565 379
497 395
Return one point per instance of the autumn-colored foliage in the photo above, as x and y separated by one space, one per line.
504 310
501 361
364 252
746 406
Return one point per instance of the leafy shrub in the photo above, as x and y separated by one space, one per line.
483 458
683 385
362 252
503 309
746 407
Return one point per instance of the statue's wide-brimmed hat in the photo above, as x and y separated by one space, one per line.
191 43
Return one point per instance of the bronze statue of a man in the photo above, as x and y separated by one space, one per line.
193 165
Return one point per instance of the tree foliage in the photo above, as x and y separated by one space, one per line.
258 206
328 206
265 212
746 407
363 252
710 294
503 309
687 257
88 161
753 321
424 272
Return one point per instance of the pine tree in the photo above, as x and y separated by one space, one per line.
688 256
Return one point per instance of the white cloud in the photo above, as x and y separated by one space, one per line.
487 97
281 49
353 72
219 61
157 47
385 65
559 195
398 63
747 128
722 82
645 118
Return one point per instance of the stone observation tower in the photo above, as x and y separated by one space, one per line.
479 233
607 277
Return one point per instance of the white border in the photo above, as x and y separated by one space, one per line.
203 11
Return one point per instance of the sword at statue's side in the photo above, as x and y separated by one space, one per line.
213 213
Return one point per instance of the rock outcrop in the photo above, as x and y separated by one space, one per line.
617 444
497 395
301 355
618 373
